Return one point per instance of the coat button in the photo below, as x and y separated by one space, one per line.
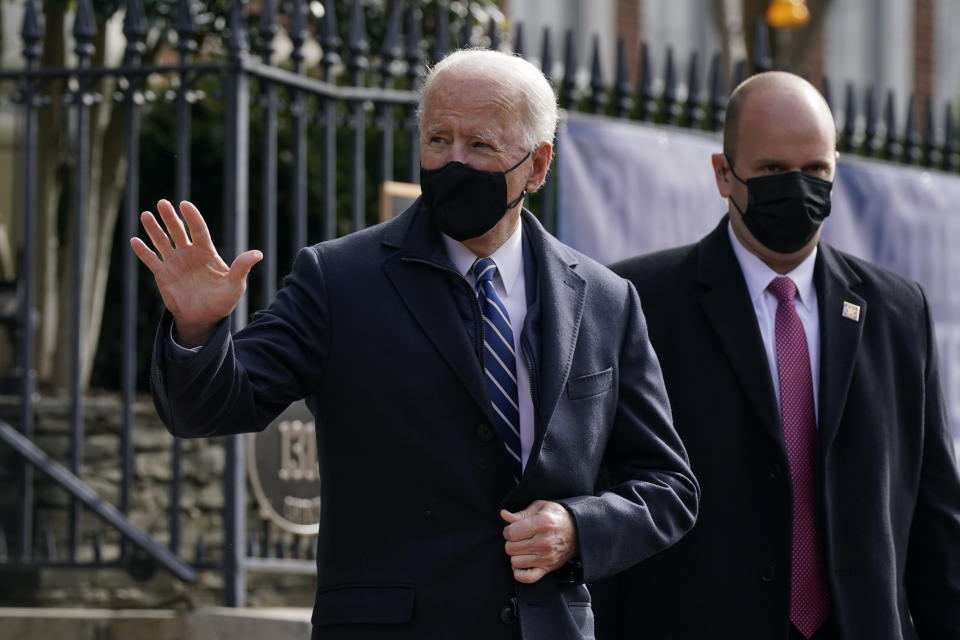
768 573
775 471
508 614
571 573
484 432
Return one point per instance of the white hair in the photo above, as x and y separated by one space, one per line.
527 86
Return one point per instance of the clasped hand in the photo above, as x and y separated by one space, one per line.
197 286
540 539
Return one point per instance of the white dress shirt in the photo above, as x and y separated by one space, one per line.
510 284
758 276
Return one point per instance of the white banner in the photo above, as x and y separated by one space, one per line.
628 188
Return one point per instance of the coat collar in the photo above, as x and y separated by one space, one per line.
562 294
839 336
726 302
419 269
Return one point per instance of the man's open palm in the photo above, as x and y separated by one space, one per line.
197 286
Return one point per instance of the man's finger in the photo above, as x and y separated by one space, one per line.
174 226
512 518
508 517
243 263
146 254
195 223
520 530
525 561
529 545
156 234
528 576
532 509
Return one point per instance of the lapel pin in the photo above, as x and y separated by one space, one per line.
851 311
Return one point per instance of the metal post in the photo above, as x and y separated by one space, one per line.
357 63
568 86
388 54
186 45
330 58
622 104
298 107
135 31
84 29
598 91
414 58
268 155
237 93
32 34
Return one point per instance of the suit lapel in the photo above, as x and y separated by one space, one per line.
730 311
416 271
839 337
419 273
562 293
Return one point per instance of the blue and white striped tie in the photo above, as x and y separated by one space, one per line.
500 361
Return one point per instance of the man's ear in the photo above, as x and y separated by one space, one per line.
722 174
541 164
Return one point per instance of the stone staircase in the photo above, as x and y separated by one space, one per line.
213 623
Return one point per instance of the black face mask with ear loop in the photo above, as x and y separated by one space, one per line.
784 210
464 202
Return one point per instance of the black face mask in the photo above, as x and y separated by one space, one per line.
784 210
465 202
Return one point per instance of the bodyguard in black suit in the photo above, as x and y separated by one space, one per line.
460 438
857 536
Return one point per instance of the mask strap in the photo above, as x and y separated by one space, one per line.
511 205
523 193
739 210
730 164
522 160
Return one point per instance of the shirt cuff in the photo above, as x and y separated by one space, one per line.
180 352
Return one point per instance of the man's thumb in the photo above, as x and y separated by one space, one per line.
244 262
532 509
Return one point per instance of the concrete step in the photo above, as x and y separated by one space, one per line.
214 623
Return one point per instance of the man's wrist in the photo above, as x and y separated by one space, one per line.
191 336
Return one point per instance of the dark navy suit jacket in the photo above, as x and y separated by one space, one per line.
887 486
372 330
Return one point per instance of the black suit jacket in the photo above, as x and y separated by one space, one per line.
889 496
370 329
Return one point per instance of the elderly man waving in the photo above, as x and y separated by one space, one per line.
474 382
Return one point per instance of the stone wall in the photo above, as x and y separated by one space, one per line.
200 508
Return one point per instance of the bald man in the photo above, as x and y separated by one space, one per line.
804 384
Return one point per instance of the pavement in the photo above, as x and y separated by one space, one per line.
212 623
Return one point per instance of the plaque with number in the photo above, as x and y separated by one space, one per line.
283 469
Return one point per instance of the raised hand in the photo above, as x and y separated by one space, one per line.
197 286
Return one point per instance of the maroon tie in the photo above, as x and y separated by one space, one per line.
809 604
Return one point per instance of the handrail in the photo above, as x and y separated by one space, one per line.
59 474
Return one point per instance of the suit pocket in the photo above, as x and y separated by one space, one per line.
582 615
592 384
580 610
364 604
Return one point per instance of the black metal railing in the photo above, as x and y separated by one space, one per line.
327 122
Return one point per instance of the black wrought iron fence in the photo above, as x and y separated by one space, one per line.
327 135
